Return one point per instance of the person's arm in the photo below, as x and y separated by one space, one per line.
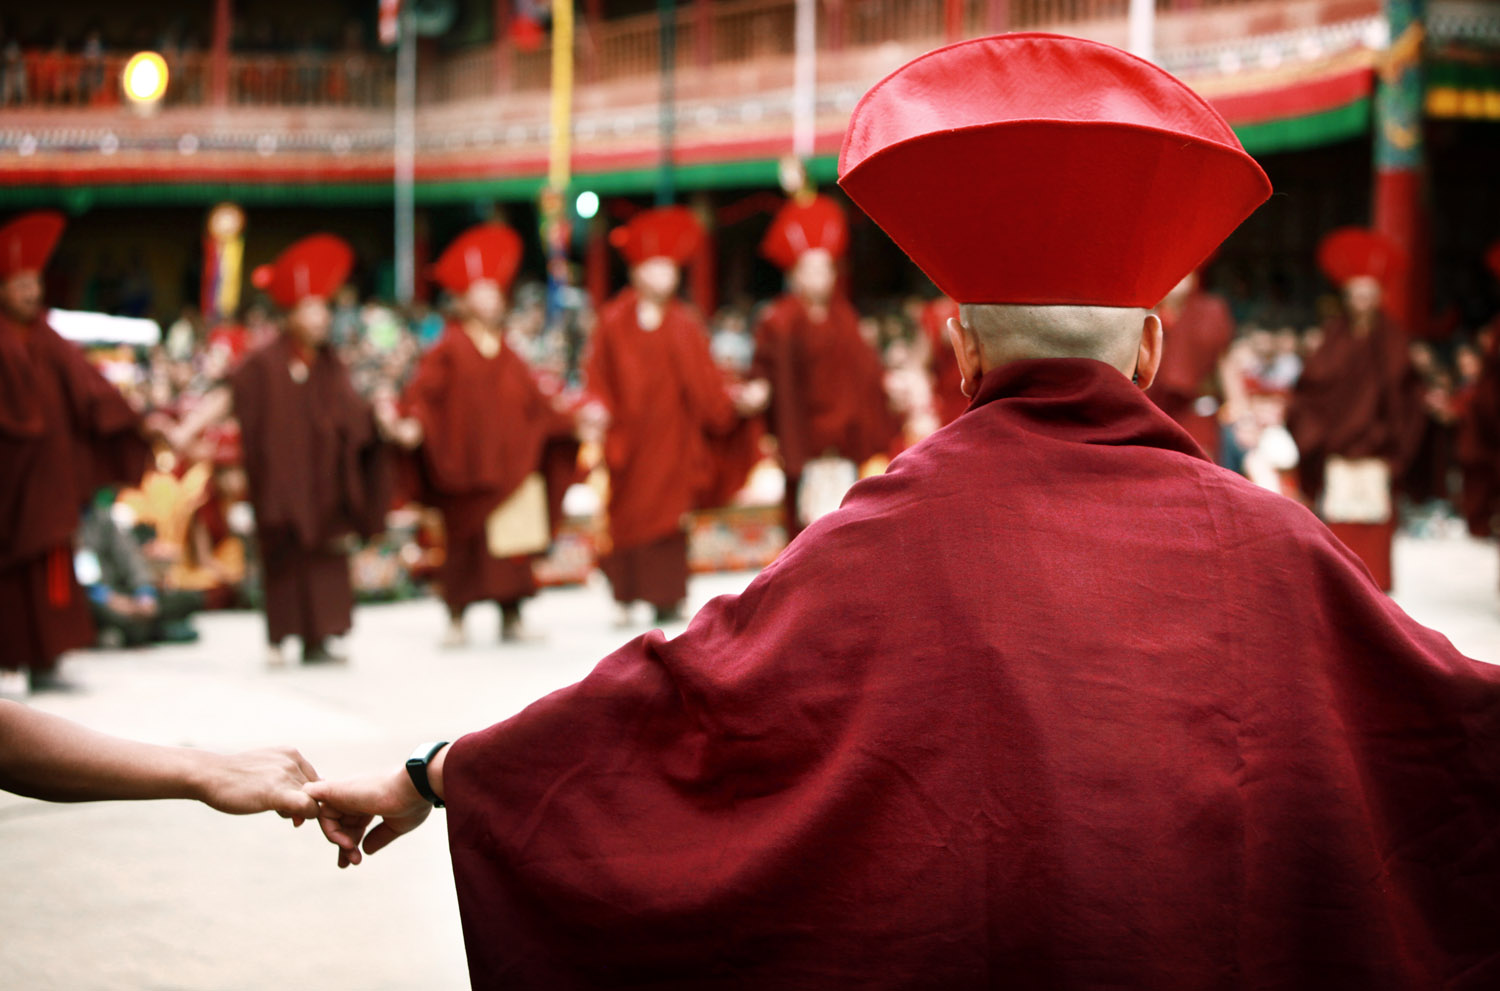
48 757
216 405
348 806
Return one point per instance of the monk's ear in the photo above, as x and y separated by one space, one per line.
1148 359
966 349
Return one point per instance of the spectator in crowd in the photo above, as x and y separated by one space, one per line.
129 606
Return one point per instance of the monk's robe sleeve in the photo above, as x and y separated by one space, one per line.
111 448
775 362
20 405
711 405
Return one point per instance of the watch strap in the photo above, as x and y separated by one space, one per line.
416 769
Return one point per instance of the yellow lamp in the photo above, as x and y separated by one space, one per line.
145 77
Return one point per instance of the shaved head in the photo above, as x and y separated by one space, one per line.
1010 332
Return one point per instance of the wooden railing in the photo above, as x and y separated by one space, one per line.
733 32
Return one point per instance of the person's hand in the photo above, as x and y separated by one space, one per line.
121 604
753 397
145 606
346 808
269 780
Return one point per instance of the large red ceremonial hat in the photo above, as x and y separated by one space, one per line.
799 227
1350 252
1492 258
314 266
1034 168
27 242
485 251
666 232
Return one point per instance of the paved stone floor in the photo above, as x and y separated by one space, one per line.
169 895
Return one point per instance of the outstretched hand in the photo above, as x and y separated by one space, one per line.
269 780
347 807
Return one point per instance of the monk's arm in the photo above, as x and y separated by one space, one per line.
349 806
48 757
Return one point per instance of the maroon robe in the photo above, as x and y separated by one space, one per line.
1195 340
485 427
1358 397
318 475
1479 445
827 389
1053 703
665 397
64 432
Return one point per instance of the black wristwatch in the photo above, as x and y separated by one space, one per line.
416 769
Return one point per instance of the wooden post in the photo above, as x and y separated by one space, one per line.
219 53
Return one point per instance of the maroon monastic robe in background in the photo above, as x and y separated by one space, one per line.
1358 397
1479 445
318 474
1196 338
827 388
486 427
64 432
665 396
948 399
1052 703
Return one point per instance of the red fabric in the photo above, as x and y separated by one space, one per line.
1479 444
948 399
485 426
1492 259
656 573
1196 337
667 232
37 628
665 396
1372 544
26 242
317 473
1073 172
64 433
314 266
1358 397
827 384
799 227
1053 703
1350 252
485 251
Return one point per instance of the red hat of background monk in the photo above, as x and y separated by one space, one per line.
1350 252
314 266
27 242
1034 168
486 251
666 232
800 227
1492 258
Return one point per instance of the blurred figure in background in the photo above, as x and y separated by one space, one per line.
482 433
129 604
827 400
1479 431
651 371
1356 412
315 461
64 432
1189 386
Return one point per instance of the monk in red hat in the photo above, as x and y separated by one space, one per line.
314 458
827 385
1356 413
1054 702
651 371
1479 433
485 437
64 433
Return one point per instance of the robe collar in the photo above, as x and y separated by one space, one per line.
1084 400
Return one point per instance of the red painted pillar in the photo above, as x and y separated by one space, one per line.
999 19
596 261
502 46
703 28
953 19
218 86
835 34
1400 205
